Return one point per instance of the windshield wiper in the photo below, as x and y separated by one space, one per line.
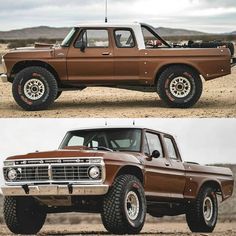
104 148
127 150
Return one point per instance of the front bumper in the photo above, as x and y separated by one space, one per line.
3 78
54 190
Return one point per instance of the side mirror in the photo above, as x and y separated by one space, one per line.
82 47
155 154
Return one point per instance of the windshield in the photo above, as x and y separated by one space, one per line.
66 42
114 139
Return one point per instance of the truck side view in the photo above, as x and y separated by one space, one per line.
121 173
128 56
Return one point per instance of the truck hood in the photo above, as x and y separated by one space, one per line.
81 153
39 51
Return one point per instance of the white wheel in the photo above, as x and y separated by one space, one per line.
207 209
132 205
34 89
180 87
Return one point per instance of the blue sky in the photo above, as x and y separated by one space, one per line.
204 15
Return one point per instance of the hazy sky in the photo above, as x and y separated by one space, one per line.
203 15
199 140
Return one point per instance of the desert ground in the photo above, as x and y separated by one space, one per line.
218 100
167 229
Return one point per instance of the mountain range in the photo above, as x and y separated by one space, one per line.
59 33
35 33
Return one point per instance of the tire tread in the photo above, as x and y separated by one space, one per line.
112 215
51 82
161 86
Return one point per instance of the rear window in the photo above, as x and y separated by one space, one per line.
124 38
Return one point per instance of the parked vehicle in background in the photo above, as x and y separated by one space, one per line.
121 173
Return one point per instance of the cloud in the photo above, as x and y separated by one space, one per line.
196 14
219 3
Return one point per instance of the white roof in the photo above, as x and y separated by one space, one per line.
106 25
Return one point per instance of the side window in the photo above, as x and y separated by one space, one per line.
93 38
154 143
124 39
171 149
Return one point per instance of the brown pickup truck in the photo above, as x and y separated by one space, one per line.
122 173
128 56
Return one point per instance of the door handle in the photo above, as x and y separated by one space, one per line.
167 164
106 53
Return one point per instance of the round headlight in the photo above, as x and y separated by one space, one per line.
12 174
94 172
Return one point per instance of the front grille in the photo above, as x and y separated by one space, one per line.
76 173
53 173
31 173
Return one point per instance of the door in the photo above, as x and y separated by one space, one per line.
126 56
90 58
176 169
164 178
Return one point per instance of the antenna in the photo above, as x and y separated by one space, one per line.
106 11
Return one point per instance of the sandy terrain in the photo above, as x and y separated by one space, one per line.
3 48
222 229
218 100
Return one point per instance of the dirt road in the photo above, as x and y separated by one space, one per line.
167 229
218 100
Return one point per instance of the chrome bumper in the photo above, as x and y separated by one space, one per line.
3 78
54 190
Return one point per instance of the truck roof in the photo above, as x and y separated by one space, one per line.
110 25
118 127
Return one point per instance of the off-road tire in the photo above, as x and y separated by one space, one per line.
23 215
191 79
195 216
44 78
114 216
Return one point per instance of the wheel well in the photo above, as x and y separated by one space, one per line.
23 64
131 170
214 184
163 68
